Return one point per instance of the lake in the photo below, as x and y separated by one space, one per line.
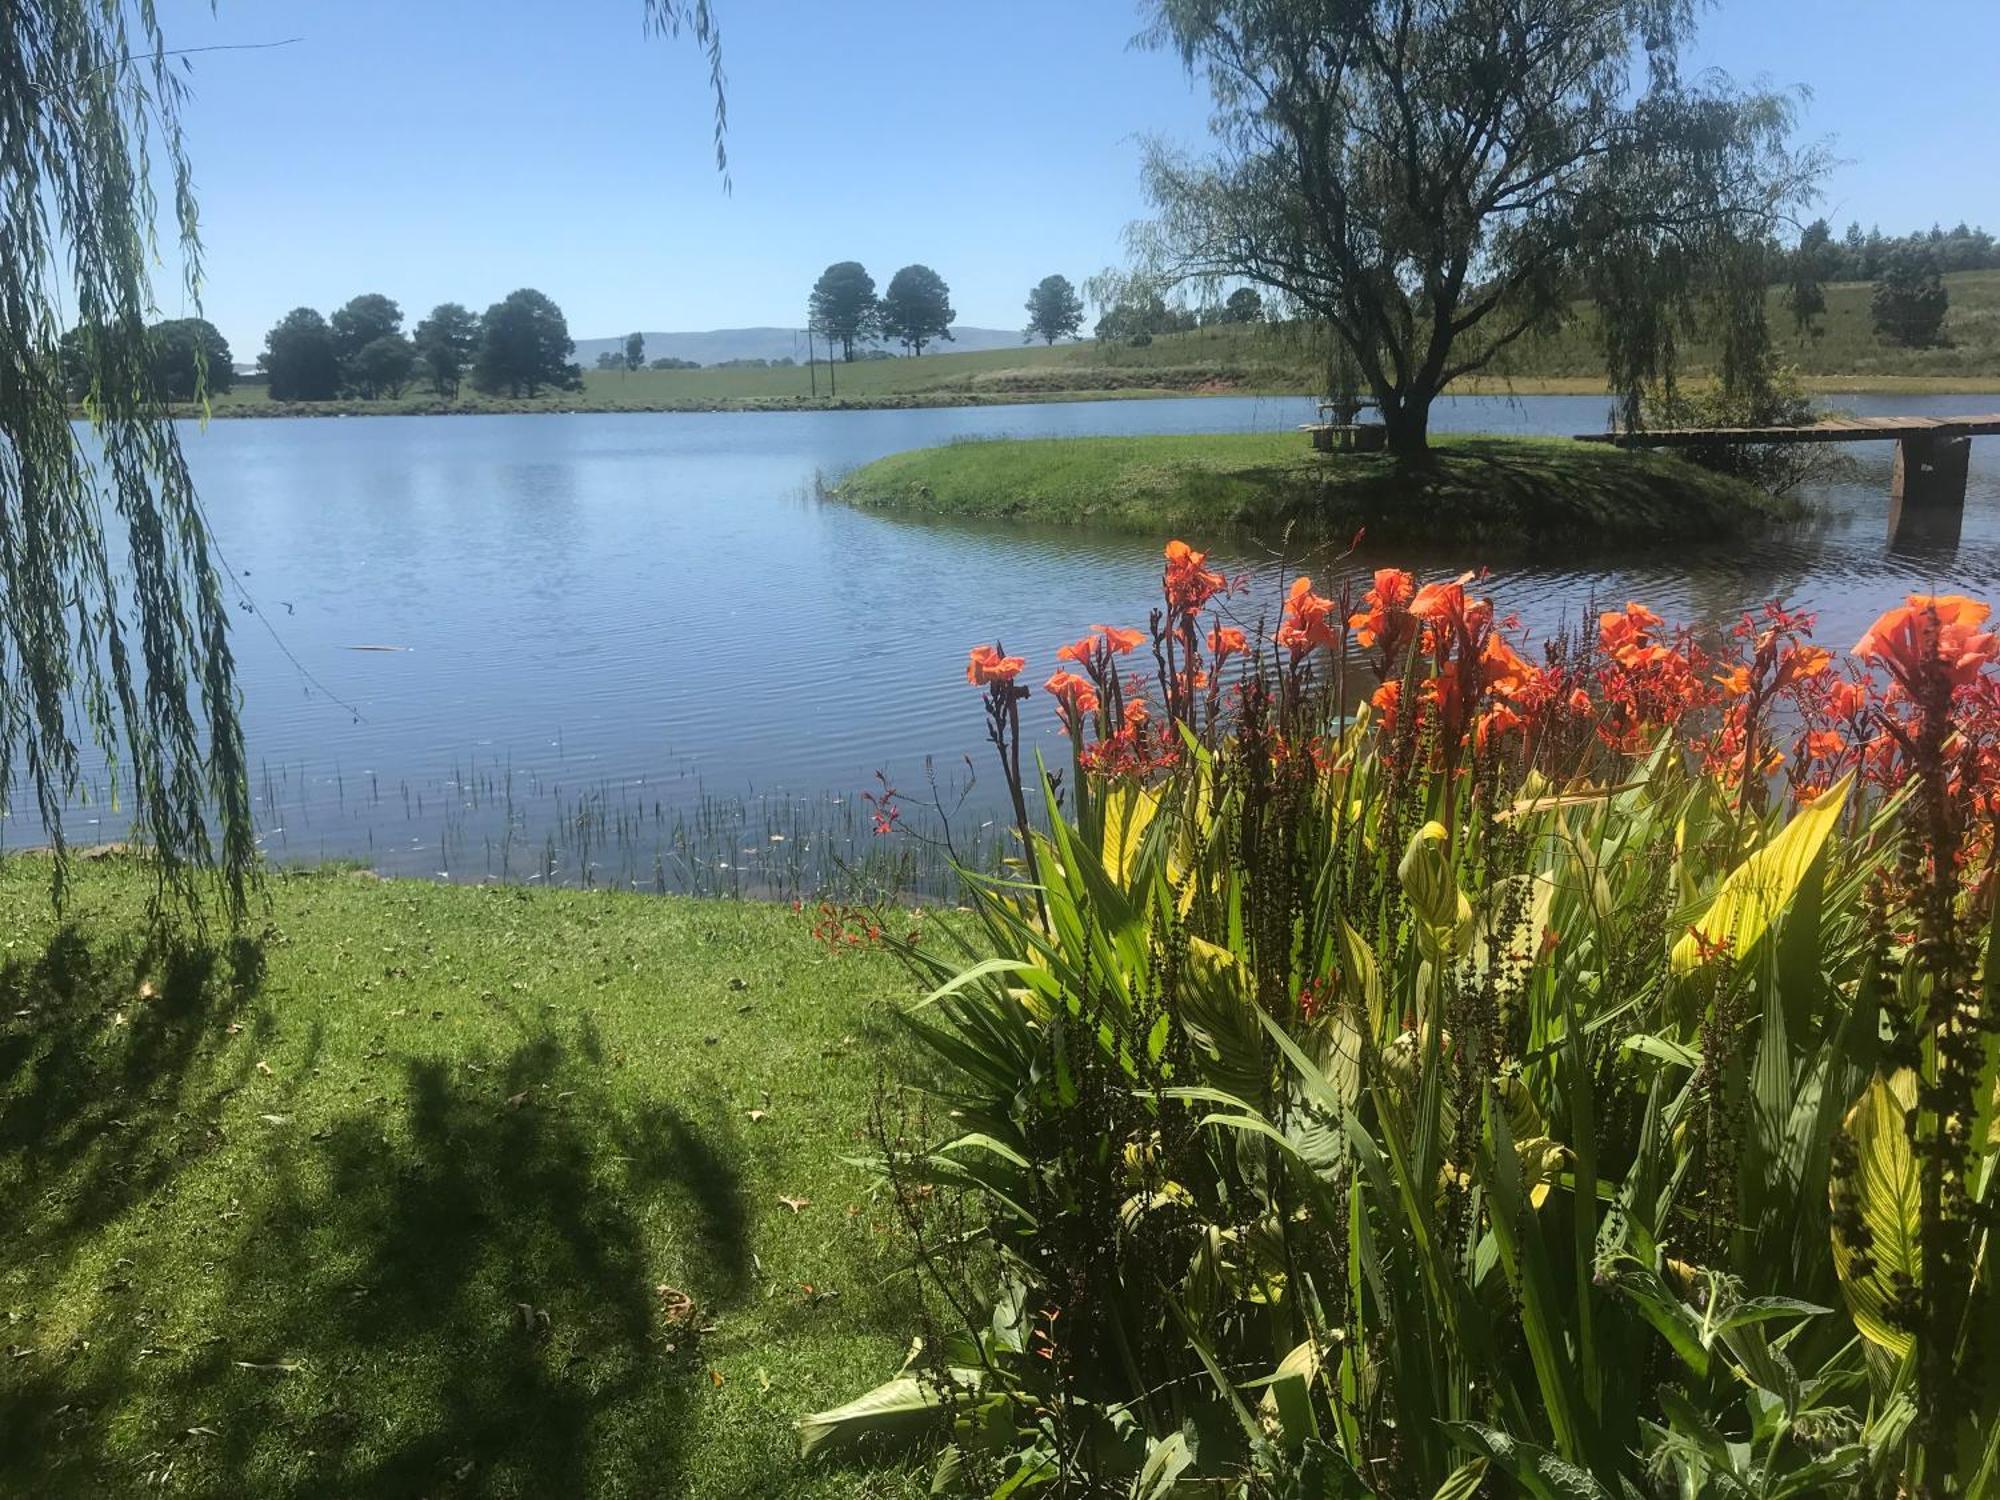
638 650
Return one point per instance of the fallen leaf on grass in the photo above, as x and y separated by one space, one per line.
272 1367
515 1101
276 1119
715 1379
755 1116
796 1205
264 1067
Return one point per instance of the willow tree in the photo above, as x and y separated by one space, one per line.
1435 180
114 627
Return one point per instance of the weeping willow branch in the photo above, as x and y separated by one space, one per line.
126 648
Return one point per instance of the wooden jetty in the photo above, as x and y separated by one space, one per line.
1926 488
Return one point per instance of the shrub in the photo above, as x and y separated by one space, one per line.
1399 1066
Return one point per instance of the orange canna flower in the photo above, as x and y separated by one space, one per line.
1305 624
1930 630
1079 652
1120 641
1074 693
1225 641
1189 583
986 665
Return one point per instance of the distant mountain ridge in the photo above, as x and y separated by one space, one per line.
719 344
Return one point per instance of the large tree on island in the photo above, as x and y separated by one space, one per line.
1436 179
132 658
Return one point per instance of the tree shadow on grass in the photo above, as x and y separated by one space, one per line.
466 1292
105 1092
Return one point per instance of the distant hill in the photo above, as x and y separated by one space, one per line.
719 344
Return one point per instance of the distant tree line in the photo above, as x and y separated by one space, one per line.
844 309
1868 256
184 356
519 346
1136 313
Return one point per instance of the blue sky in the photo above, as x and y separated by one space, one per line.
450 150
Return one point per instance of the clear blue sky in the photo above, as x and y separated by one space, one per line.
456 149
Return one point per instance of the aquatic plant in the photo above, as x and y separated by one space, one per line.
1407 1060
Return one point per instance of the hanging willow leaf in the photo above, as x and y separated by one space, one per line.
125 647
1882 1193
1753 894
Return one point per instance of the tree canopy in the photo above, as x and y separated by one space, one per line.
1435 179
1910 301
1055 311
842 307
300 359
635 352
916 309
1244 305
524 344
445 343
381 367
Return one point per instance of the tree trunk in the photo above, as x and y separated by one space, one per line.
1407 415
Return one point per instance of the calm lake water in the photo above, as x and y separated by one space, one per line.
637 650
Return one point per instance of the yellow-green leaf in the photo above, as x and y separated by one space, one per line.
1884 1192
1128 811
1751 895
1444 915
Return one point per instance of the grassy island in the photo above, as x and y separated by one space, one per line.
1493 491
435 1190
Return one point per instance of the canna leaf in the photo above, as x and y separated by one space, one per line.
1444 914
1885 1194
901 1408
1129 810
1753 894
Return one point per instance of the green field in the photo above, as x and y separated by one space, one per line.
388 1201
1496 491
1222 360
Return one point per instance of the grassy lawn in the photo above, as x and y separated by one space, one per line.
383 1201
1499 491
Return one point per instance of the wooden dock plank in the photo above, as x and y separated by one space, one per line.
1832 430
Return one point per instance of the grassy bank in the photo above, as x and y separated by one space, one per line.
386 1202
1495 491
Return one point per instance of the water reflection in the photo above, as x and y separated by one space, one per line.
637 651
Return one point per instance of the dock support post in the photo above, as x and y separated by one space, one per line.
1927 491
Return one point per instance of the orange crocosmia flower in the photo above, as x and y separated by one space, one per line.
1931 629
985 665
1120 641
1225 641
1073 692
1824 744
1079 652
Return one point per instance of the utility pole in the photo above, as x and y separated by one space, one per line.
812 369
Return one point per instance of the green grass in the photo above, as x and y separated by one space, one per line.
1224 360
1497 491
268 1216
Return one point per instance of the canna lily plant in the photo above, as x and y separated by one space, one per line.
1403 1063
